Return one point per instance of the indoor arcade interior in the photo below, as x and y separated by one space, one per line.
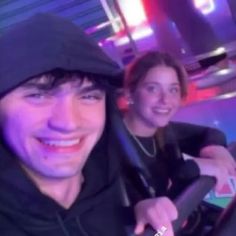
201 34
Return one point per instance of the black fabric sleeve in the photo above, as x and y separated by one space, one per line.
192 138
181 172
133 187
184 174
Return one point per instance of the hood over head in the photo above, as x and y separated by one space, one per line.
46 42
39 45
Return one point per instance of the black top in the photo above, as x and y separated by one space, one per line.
191 138
168 164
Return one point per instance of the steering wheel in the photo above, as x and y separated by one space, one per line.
187 202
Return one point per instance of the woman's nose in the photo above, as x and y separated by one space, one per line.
164 96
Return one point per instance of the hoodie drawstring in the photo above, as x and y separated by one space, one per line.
81 227
62 225
66 232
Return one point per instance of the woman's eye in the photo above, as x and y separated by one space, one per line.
152 88
175 90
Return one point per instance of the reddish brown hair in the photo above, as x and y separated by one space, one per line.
138 69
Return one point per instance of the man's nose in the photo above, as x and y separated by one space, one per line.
65 116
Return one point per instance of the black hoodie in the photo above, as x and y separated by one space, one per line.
45 42
26 211
38 45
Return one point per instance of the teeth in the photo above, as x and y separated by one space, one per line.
61 143
162 110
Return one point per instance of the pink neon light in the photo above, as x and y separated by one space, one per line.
133 11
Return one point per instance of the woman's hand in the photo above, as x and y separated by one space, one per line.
157 212
220 154
213 168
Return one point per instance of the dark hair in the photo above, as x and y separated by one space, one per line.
138 69
54 78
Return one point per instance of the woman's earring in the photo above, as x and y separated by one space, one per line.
130 101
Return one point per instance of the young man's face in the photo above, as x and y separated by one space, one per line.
53 131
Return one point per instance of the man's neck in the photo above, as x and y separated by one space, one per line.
65 191
62 190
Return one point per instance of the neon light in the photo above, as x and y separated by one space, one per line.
139 34
110 16
133 12
223 71
219 50
205 6
97 27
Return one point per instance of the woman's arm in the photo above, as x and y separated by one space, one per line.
193 138
213 168
207 143
221 155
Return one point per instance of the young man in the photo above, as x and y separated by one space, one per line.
55 174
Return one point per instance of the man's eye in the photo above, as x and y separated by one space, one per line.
35 95
96 95
92 97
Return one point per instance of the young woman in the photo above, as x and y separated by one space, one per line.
155 86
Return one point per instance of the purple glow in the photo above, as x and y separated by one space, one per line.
218 113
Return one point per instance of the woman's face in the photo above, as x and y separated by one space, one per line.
157 97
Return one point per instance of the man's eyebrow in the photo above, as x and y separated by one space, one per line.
34 84
89 88
48 86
